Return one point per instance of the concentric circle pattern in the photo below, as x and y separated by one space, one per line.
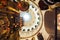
32 21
